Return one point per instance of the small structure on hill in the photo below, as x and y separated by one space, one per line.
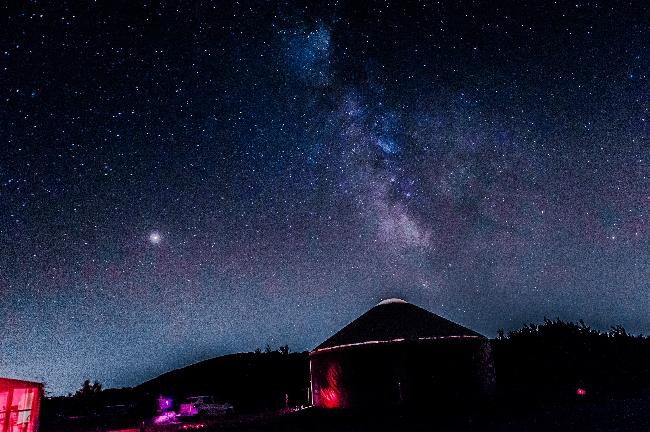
20 403
400 354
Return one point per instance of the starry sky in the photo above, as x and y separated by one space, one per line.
181 180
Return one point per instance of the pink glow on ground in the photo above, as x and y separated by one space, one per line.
193 426
164 418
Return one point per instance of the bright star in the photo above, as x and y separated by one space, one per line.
155 237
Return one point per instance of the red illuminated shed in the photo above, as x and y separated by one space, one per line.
20 403
400 354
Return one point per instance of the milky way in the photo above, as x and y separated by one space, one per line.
185 180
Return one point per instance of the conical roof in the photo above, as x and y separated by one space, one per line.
395 320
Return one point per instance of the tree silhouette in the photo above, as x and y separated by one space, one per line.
87 389
554 358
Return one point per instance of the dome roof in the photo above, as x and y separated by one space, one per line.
395 320
391 300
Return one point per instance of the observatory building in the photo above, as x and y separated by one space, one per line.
400 354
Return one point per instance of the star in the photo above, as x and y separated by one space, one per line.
155 237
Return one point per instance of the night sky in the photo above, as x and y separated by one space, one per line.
181 180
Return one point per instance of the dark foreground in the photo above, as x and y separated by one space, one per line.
628 413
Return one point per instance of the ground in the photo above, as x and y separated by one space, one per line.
629 413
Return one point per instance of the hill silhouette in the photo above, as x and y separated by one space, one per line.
250 381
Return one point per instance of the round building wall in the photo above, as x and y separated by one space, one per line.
409 373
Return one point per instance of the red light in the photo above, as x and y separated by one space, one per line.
581 392
330 394
330 398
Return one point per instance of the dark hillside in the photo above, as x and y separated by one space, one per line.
250 381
